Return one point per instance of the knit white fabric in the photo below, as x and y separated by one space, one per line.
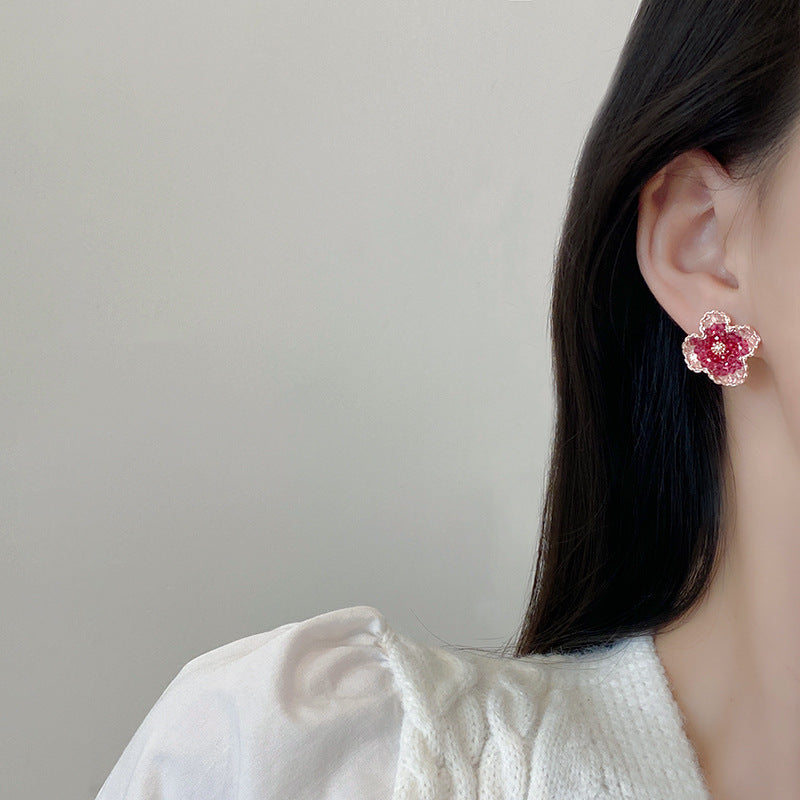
343 707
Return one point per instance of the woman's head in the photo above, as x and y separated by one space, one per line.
686 198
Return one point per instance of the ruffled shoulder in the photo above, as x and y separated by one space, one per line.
341 706
310 709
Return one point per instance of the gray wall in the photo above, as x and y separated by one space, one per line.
274 332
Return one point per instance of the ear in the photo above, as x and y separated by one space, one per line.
686 211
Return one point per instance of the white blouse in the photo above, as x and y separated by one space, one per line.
342 707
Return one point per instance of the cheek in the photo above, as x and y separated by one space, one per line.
775 284
775 297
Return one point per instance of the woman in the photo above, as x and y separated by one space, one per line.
660 654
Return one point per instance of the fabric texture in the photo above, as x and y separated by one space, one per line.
341 706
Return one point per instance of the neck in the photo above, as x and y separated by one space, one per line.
734 662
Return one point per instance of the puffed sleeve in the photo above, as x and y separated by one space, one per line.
307 711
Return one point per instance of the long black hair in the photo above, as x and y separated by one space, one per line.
630 535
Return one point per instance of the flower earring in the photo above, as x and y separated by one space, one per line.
720 349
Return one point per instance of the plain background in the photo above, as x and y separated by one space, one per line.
275 285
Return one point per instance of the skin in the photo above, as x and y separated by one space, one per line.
734 662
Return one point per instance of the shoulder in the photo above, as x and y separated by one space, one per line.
341 705
481 723
307 709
